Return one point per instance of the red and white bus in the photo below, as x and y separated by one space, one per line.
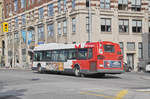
86 58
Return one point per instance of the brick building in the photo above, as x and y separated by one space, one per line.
33 22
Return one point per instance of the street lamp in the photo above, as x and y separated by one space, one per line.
90 22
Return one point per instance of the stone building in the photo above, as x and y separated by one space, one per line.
2 43
33 22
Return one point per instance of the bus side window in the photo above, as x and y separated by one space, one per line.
72 54
48 55
82 53
38 56
35 56
55 56
62 56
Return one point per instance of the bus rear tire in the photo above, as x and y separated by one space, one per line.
77 72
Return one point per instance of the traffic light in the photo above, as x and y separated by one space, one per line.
5 27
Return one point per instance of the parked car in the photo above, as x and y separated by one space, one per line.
147 69
127 68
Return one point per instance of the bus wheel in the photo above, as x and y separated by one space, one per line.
82 75
77 72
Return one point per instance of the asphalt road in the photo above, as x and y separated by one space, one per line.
25 84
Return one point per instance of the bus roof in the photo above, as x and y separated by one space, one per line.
55 46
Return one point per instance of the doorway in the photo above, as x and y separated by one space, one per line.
130 60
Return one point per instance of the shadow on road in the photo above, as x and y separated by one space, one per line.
94 76
10 94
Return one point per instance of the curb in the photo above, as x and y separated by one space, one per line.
15 69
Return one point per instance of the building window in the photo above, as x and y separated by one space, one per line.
105 4
105 25
50 10
11 38
87 24
39 0
148 5
149 26
137 26
73 24
32 1
33 35
64 27
16 37
16 22
41 33
10 9
23 32
87 3
122 4
130 46
140 45
136 5
29 2
149 49
24 55
123 25
59 28
8 38
9 53
7 9
23 19
65 5
22 3
121 47
15 5
59 6
50 28
41 12
73 4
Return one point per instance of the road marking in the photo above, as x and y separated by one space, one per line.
143 90
121 94
97 95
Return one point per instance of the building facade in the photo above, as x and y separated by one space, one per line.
34 22
2 43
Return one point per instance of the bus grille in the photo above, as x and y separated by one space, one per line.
93 66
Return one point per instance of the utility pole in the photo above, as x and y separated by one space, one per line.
90 22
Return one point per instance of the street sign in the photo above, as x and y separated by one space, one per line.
5 27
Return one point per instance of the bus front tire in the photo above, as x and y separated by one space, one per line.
40 69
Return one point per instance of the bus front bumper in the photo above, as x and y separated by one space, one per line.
104 71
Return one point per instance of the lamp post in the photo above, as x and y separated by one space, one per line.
90 22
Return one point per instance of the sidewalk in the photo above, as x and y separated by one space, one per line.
15 68
142 75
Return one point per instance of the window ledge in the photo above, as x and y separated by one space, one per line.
124 33
106 32
136 33
73 33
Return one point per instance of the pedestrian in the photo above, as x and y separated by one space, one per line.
11 63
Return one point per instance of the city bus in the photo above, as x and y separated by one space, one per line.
86 58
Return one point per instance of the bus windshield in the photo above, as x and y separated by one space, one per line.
109 48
